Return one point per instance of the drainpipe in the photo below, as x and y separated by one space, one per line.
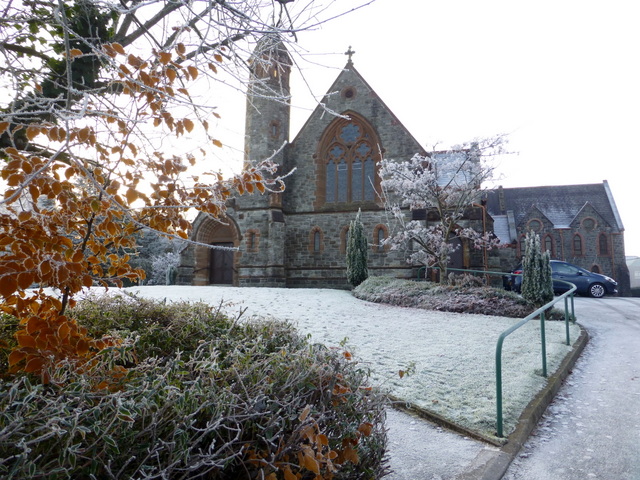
613 257
560 230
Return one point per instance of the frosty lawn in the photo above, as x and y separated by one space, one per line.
450 357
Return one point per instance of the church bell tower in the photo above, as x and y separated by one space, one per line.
266 131
268 100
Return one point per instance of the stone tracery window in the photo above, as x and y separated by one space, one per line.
348 155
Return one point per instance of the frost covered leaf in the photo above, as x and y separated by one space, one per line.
305 413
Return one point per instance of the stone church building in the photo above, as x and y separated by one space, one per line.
297 238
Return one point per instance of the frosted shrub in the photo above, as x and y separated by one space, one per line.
537 284
357 250
161 265
427 295
224 399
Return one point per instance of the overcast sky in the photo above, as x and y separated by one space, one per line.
561 77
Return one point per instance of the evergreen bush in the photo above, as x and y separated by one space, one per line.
198 395
357 252
537 284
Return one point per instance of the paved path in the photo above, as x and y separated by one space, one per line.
592 429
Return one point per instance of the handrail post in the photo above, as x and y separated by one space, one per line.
499 387
544 345
566 319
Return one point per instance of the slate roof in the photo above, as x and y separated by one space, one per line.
560 204
501 228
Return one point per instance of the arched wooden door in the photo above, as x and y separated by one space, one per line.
215 266
221 265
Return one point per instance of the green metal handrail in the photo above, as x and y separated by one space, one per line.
567 296
539 312
465 270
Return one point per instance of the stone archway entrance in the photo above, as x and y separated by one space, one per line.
216 266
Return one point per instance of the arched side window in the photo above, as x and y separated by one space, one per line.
346 161
577 245
603 244
521 245
252 240
596 269
548 245
380 234
316 240
344 237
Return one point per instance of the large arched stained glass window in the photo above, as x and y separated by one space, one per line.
348 156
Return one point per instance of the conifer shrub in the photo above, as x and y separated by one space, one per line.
357 253
199 395
537 284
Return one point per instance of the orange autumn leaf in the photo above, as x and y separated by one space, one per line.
16 357
82 347
32 132
26 341
311 463
289 475
34 364
64 330
8 285
305 413
365 428
24 216
118 48
164 57
25 279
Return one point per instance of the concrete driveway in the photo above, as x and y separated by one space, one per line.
592 428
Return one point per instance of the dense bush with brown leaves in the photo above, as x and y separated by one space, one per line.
202 395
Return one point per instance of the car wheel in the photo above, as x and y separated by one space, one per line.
597 290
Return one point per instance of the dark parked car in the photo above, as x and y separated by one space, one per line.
587 283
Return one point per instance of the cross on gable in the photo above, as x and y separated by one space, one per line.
349 53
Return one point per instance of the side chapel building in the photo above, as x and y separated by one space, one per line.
297 238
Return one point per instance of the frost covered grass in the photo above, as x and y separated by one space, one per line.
450 357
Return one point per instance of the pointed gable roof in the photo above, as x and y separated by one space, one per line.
560 204
588 209
350 91
535 212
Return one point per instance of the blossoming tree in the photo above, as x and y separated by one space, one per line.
445 184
